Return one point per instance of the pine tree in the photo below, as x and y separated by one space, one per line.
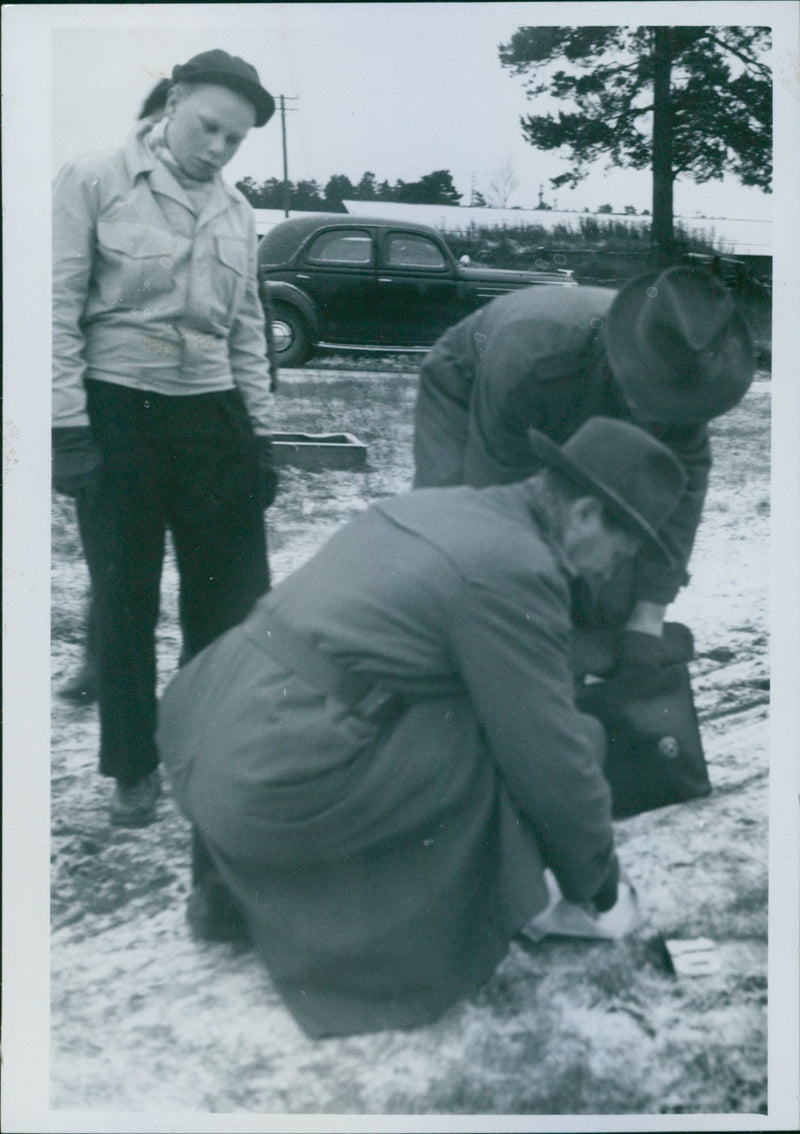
686 101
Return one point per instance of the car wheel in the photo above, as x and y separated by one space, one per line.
291 336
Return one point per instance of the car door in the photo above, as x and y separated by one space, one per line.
418 292
338 269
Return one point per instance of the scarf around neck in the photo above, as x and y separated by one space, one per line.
198 191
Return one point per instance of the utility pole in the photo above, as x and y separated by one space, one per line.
283 109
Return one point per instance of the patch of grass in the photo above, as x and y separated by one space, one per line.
576 1090
737 1085
558 1083
65 627
740 445
611 969
750 903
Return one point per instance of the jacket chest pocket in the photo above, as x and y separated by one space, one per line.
229 275
135 262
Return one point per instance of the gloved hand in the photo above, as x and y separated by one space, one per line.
268 474
562 918
641 651
648 651
76 460
606 896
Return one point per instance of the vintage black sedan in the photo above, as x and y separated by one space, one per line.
370 284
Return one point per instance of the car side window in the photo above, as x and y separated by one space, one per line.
343 246
408 250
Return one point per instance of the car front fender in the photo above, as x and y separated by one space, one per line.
279 291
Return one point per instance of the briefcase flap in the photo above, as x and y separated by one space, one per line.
655 752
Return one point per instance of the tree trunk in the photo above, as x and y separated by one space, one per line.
662 237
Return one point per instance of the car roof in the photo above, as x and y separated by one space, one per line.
283 239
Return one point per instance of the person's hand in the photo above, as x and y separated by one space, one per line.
76 460
563 918
267 473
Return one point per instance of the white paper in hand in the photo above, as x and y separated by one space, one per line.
562 918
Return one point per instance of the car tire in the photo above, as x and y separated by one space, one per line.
291 334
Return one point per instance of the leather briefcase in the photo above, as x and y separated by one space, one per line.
655 752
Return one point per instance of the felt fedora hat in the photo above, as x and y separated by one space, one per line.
638 480
678 347
223 70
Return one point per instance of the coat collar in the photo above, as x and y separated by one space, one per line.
139 158
546 527
142 162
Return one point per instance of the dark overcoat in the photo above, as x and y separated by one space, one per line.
383 869
536 359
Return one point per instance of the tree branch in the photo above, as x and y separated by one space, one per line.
748 61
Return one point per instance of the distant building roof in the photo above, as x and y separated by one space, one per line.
736 237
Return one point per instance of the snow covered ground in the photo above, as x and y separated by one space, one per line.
146 1020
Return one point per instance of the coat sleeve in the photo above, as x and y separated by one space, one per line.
247 344
441 414
75 209
655 582
511 648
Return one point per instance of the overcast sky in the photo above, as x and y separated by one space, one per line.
399 89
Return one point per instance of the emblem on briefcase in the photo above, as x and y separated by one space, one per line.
668 747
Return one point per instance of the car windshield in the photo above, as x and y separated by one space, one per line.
279 244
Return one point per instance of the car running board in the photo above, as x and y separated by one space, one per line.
380 349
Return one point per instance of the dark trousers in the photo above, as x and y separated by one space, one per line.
187 463
90 528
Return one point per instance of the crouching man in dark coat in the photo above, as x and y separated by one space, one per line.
386 755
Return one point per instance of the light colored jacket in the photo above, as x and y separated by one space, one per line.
148 295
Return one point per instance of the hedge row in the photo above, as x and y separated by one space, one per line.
608 253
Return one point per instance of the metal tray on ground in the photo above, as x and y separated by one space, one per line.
319 450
